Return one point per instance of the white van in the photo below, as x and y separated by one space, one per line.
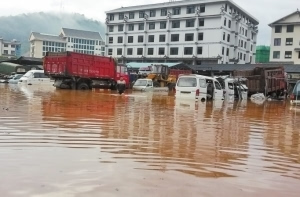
235 89
198 87
35 77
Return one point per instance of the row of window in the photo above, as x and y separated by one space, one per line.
54 44
12 46
163 12
289 28
163 25
85 41
288 41
162 38
234 11
5 52
287 55
85 47
161 51
53 49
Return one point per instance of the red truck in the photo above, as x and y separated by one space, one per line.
72 70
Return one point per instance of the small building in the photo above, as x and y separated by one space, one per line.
262 54
285 43
193 32
10 48
80 41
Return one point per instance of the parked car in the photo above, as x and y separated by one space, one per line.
198 87
15 79
295 96
234 88
35 77
143 85
7 78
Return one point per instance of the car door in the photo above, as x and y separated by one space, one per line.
218 91
34 79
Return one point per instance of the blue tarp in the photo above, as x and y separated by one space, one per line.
139 65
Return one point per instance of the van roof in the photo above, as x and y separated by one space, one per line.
195 75
36 71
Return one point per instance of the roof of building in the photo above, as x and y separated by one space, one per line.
81 34
47 37
180 3
277 21
139 65
231 67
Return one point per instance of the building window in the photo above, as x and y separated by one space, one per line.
129 51
299 55
163 25
110 51
5 45
223 50
175 24
150 51
200 36
174 51
111 17
152 13
225 22
174 37
131 15
190 9
241 56
290 28
161 51
202 8
119 51
228 37
130 39
140 51
201 22
5 52
224 35
188 50
142 14
131 27
244 57
151 26
278 29
164 12
190 23
120 27
245 44
176 11
229 23
289 41
141 26
189 37
288 55
120 39
277 41
151 38
226 7
140 39
121 16
162 38
110 40
199 50
227 52
246 33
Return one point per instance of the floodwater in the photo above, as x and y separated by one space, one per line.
73 143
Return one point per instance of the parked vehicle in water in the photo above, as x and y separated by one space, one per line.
295 96
72 70
35 77
198 87
143 85
267 80
15 79
234 88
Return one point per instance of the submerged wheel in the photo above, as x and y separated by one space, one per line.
83 86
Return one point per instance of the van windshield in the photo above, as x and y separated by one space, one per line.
28 74
187 82
140 83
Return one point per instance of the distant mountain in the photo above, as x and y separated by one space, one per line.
19 27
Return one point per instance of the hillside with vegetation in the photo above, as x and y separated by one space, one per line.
19 27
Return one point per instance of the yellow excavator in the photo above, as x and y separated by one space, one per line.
161 77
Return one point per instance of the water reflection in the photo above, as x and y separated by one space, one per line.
159 133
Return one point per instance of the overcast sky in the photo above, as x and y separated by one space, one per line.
266 11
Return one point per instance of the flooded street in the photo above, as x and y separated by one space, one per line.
74 143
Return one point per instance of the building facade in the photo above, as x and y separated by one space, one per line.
10 48
285 43
194 32
80 41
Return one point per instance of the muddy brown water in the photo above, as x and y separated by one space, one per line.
73 143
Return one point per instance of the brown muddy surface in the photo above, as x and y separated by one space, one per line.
72 143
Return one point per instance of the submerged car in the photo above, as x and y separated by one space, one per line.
35 77
15 79
295 96
143 85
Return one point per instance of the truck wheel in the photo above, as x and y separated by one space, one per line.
83 86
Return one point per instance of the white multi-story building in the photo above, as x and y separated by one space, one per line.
285 43
194 31
10 48
80 41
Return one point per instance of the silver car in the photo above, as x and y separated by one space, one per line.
15 79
